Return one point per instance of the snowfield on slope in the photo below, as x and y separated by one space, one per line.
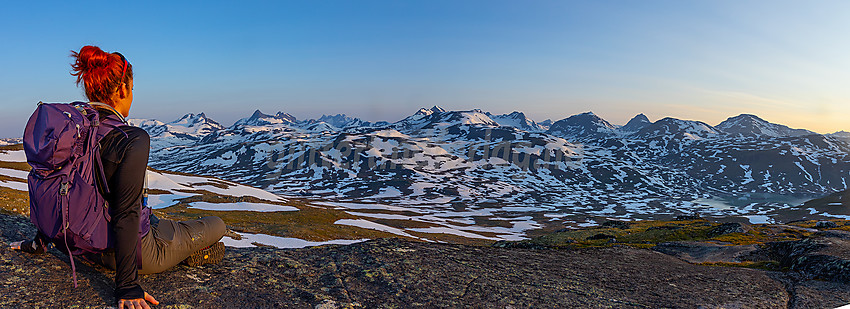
13 156
174 182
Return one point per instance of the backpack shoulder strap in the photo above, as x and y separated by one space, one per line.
98 105
111 119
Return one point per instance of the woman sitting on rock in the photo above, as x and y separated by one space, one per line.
108 78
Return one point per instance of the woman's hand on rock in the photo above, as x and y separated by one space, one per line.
137 303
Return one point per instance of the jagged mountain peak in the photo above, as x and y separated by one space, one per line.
841 135
340 121
668 120
326 116
583 126
438 117
429 111
747 116
511 115
191 119
469 117
743 118
286 116
320 126
588 116
474 116
259 118
190 116
637 123
186 130
517 120
678 129
640 118
258 114
749 125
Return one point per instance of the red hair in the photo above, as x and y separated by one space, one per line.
100 72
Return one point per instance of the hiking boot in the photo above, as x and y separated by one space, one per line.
35 246
209 255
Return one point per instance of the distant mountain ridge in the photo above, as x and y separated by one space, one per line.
583 126
636 124
518 120
260 119
10 141
580 125
476 157
842 135
672 128
746 125
186 130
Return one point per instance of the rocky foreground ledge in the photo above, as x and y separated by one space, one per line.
394 273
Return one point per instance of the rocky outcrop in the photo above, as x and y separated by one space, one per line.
701 252
395 273
824 257
727 228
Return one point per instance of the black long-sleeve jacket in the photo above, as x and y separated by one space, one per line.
125 160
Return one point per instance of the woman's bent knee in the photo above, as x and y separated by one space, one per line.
216 227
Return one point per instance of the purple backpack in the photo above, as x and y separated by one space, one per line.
61 142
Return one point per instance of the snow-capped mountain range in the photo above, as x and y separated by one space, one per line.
579 164
187 129
10 141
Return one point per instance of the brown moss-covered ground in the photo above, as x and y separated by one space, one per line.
395 273
647 234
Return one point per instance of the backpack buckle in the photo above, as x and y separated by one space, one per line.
63 188
81 109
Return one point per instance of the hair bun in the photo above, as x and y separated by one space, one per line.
91 58
99 72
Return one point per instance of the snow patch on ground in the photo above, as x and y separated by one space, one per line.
165 181
845 217
14 173
339 205
13 156
15 185
157 201
241 206
388 192
249 239
20 186
447 230
366 224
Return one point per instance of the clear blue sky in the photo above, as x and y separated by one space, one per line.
787 61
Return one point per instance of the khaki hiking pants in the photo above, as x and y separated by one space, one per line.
168 243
